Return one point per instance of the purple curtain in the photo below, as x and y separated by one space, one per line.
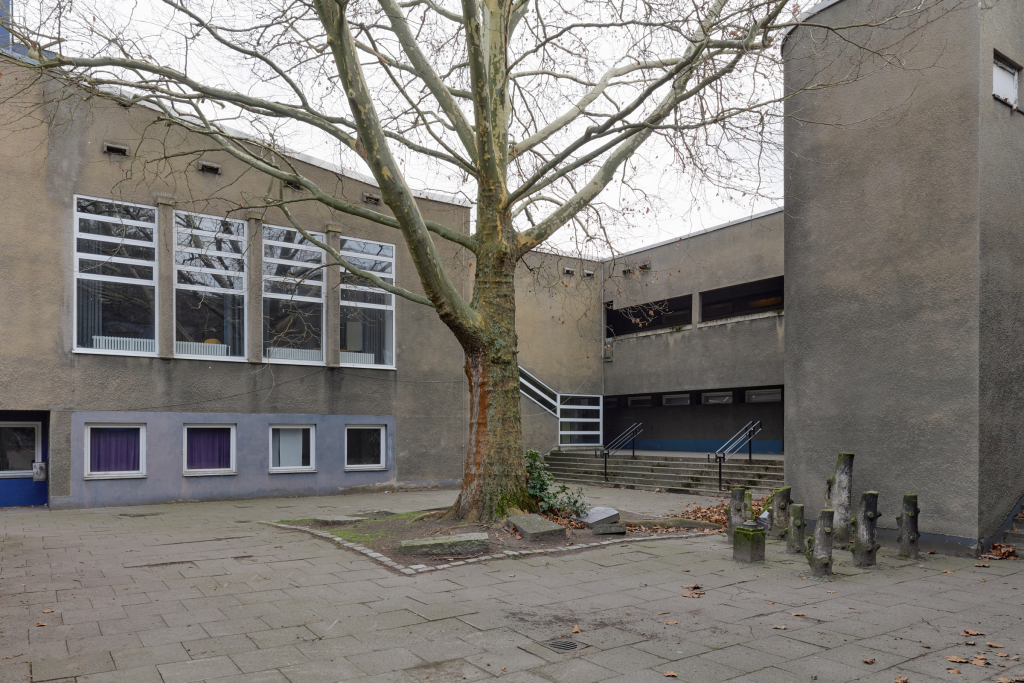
114 449
209 448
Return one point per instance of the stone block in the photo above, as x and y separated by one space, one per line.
456 544
599 516
602 529
338 520
748 543
536 528
1014 537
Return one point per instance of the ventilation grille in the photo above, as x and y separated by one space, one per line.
563 645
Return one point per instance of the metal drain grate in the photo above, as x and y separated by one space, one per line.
563 645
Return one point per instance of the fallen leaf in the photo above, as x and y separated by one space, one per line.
663 613
946 571
979 662
830 591
951 670
504 669
768 602
671 623
1002 654
694 587
902 679
576 629
780 628
671 674
984 580
930 552
1001 551
798 614
1015 658
39 623
970 642
993 644
511 576
868 661
47 611
958 660
969 632
692 595
981 565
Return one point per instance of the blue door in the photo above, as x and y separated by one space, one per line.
22 445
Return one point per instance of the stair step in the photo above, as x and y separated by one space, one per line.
666 471
703 491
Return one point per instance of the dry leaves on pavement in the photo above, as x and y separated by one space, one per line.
958 660
671 674
969 632
902 679
993 644
576 629
1000 551
868 661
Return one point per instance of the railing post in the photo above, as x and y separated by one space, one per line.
633 442
750 447
720 460
606 464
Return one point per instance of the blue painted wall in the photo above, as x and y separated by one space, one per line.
22 490
165 482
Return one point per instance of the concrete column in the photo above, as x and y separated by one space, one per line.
332 316
254 306
165 276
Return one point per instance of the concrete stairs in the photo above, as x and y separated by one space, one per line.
669 472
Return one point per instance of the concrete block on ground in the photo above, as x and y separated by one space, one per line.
456 544
602 529
599 516
748 543
536 528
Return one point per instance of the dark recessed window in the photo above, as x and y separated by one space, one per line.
364 447
656 315
714 398
675 400
764 395
611 403
639 401
745 299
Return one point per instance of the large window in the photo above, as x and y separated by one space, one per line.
751 297
364 447
209 289
209 450
293 296
115 451
292 448
115 281
367 312
656 315
20 447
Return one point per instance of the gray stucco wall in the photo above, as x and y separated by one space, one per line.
1001 400
882 266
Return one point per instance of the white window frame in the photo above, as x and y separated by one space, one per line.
716 394
312 449
390 307
140 474
25 474
997 64
383 449
273 278
154 283
207 472
748 392
666 397
243 292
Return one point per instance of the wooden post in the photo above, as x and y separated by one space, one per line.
909 538
865 546
797 528
840 498
737 513
748 505
819 548
779 513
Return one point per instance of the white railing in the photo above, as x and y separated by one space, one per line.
188 348
124 344
580 416
357 358
294 354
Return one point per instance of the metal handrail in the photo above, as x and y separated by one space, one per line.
744 437
620 441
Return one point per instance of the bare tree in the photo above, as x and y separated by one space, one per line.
532 108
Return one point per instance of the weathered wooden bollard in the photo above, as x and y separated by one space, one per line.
779 513
819 548
737 512
908 537
748 543
865 546
797 528
840 497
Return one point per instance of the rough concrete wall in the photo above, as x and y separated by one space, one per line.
882 263
741 353
1001 401
540 428
57 154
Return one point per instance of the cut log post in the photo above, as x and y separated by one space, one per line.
778 515
797 528
909 538
748 505
819 548
737 513
840 498
865 546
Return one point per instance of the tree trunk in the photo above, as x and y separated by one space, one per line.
908 537
819 548
737 511
797 527
865 546
779 513
494 477
840 498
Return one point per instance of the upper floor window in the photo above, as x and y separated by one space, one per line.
656 315
745 299
1004 81
115 277
367 312
209 286
293 296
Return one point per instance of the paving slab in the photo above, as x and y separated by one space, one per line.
535 528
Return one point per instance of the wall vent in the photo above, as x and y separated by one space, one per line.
209 167
294 186
114 149
371 198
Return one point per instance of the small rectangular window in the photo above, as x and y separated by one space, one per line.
209 449
568 271
20 447
367 334
764 395
293 296
639 401
115 451
715 398
209 168
292 448
675 400
1004 81
364 447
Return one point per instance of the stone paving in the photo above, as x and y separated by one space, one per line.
203 592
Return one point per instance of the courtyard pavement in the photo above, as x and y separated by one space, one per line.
202 592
